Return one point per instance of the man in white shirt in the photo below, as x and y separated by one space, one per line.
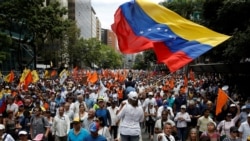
114 120
150 99
61 126
165 107
77 103
79 90
166 135
68 111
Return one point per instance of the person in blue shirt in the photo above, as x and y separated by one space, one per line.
102 111
77 133
94 136
89 101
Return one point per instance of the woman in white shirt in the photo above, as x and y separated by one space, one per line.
130 115
225 125
82 112
150 115
182 118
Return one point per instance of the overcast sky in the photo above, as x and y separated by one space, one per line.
105 10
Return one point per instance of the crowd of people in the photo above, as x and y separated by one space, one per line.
167 107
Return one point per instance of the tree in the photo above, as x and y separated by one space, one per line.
5 43
33 23
229 17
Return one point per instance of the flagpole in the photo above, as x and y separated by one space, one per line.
231 99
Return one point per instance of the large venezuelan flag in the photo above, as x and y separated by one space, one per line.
141 25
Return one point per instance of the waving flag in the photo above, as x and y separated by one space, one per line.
2 102
141 25
10 77
221 101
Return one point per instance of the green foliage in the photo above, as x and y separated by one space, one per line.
189 9
5 43
91 52
230 17
32 20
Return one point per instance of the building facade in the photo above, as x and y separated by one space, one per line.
109 38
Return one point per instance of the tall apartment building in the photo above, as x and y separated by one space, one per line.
98 29
109 38
84 14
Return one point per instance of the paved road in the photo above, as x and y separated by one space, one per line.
144 135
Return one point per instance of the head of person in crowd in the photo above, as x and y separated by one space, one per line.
191 104
234 132
61 110
206 113
211 127
93 128
150 95
47 114
101 102
80 98
133 98
193 135
76 123
168 128
37 111
86 95
183 108
70 99
228 117
232 108
100 121
164 115
37 103
209 104
81 108
21 108
26 113
10 114
91 113
10 99
27 102
113 103
23 135
66 106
